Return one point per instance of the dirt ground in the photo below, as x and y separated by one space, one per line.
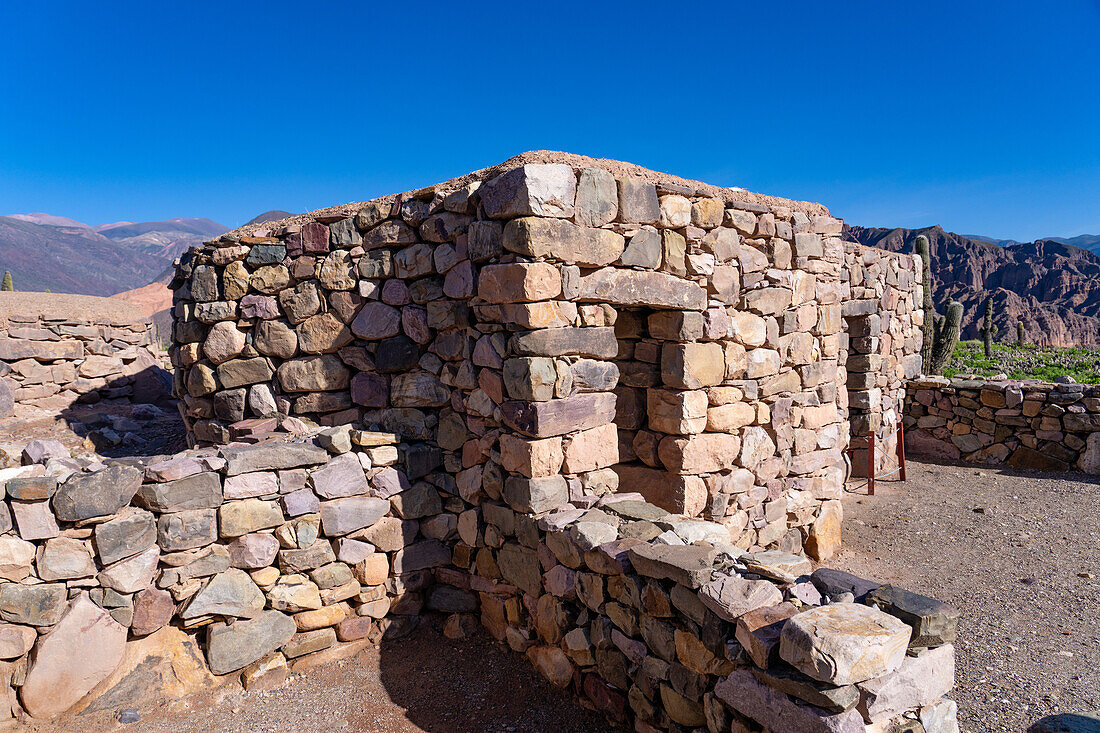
1019 555
423 682
80 429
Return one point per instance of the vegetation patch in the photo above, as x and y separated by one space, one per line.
1025 362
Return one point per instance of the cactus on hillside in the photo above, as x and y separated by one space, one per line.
7 285
946 337
988 330
927 327
1020 333
941 333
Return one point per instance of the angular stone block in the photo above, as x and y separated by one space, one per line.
564 241
638 288
933 622
558 417
536 495
519 282
534 189
844 643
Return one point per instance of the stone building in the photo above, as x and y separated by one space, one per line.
578 403
558 327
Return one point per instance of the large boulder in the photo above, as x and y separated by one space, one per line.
76 655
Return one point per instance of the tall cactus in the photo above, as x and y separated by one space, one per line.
7 285
941 334
1020 336
927 327
988 330
947 336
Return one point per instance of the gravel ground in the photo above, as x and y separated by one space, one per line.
1019 555
423 682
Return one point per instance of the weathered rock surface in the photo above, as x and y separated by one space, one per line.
844 643
80 652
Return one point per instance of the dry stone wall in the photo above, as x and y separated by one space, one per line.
1024 424
520 329
285 551
881 347
51 361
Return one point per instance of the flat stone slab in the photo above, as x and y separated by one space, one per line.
80 652
272 457
732 596
688 565
832 583
781 566
776 711
229 648
640 510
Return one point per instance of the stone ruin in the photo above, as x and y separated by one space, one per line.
53 359
599 411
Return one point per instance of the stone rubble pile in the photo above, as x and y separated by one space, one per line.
51 361
685 631
1024 424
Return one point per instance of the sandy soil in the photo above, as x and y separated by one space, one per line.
1019 555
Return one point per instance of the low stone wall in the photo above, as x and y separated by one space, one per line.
252 558
51 361
1024 424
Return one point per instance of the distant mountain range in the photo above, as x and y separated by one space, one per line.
1051 285
47 252
1091 242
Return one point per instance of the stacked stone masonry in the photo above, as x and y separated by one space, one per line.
553 329
1023 424
50 362
881 349
283 551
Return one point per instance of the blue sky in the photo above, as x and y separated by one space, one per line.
980 116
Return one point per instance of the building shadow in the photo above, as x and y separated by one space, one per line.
475 684
129 416
1067 723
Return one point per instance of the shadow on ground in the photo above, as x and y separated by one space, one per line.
475 684
130 417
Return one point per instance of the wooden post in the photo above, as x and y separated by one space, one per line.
901 451
871 463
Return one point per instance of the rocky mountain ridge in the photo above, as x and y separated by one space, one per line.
47 252
1052 287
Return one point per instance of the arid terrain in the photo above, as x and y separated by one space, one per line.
1016 553
1050 286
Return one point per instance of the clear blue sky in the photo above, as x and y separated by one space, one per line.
981 116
